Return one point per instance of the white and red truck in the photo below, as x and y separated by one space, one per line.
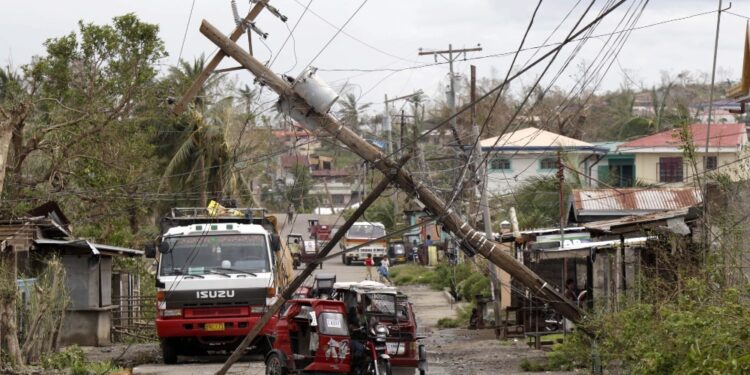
215 277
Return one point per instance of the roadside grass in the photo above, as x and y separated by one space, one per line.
461 281
73 360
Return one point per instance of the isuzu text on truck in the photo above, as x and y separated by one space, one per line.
216 274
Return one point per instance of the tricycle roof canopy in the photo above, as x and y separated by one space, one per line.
366 287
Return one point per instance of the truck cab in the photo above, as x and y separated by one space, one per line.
215 278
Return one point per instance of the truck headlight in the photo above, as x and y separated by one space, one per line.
257 309
171 312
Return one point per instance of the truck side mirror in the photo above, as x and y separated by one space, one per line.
275 242
164 247
150 250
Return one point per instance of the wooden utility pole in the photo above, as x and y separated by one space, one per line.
472 240
181 104
300 279
450 55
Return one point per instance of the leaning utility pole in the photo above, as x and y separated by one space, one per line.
450 55
473 241
484 201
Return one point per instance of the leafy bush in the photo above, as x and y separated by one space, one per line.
74 360
461 280
701 331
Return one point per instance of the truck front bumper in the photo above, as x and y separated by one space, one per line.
233 326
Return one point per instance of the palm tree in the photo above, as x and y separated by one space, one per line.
351 111
183 75
204 159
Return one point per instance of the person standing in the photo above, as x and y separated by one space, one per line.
368 265
290 212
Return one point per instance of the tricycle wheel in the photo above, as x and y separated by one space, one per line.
274 366
385 368
422 360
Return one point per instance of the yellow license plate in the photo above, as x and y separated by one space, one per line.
214 326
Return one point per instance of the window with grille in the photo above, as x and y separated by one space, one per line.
670 169
500 164
710 163
548 163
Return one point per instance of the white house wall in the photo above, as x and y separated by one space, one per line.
524 167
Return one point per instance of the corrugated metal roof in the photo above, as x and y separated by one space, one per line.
633 201
534 139
722 135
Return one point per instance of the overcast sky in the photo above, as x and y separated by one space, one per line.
386 34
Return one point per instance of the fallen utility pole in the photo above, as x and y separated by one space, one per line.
472 240
181 104
297 282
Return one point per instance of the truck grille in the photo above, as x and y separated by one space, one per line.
215 312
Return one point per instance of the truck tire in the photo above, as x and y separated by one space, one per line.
169 351
274 365
348 261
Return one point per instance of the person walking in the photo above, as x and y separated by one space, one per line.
368 265
384 272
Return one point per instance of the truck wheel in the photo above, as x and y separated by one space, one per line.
274 366
169 350
348 261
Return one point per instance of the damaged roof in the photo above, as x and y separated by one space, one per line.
632 201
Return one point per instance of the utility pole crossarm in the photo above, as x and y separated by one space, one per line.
181 104
463 50
471 238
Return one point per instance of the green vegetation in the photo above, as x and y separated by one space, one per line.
462 280
73 359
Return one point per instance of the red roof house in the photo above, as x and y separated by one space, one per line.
723 138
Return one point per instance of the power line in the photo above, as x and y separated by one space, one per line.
355 38
184 36
537 47
340 29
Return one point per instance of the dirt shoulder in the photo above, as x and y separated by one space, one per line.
462 351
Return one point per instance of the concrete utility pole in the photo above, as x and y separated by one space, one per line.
450 55
484 201
472 240
389 129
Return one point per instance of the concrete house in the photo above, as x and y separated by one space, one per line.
30 241
516 157
659 158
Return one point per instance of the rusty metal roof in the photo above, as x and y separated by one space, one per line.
632 201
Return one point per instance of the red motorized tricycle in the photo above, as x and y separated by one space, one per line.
387 311
314 336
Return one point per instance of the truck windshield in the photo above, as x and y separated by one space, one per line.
365 231
197 255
